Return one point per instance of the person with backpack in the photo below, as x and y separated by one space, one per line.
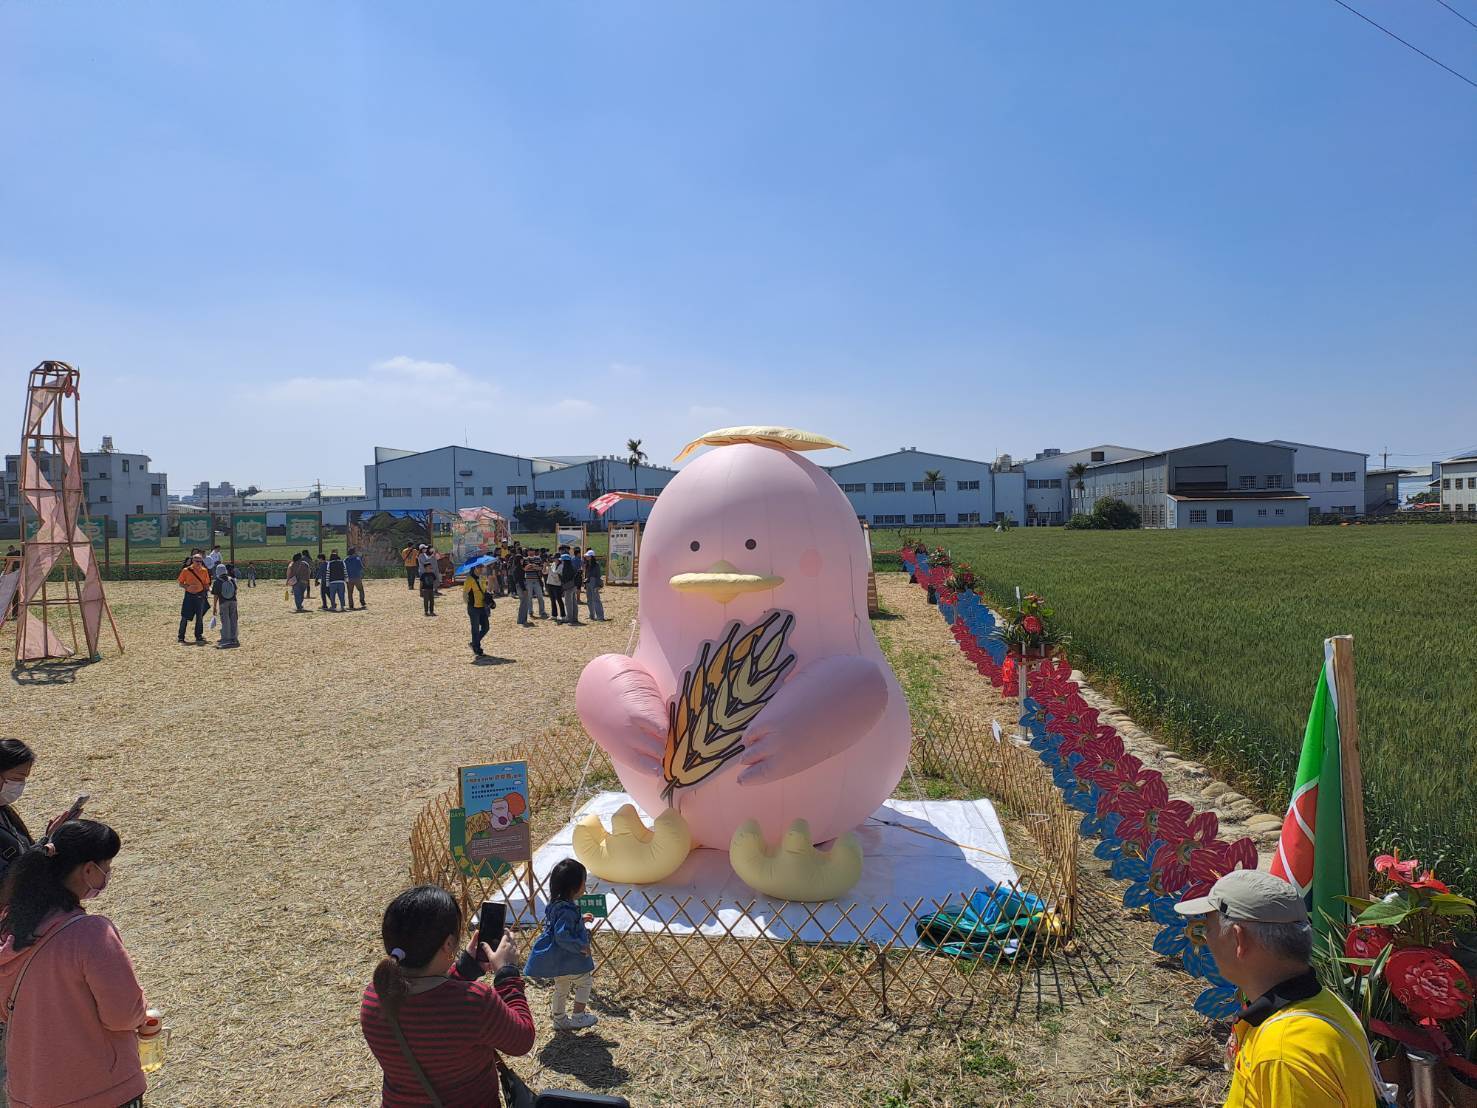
409 554
554 586
298 576
336 575
320 575
354 568
74 1006
223 590
428 592
480 604
533 579
569 577
594 582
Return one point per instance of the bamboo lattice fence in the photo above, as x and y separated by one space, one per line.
847 971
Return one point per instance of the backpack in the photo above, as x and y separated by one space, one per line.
569 572
228 588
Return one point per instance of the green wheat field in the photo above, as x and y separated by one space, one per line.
1216 638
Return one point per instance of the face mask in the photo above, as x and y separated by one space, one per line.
93 894
10 791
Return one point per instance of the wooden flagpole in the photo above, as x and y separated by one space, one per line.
1356 847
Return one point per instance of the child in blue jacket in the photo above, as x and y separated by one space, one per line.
562 950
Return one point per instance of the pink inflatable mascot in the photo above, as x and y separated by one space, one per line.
758 709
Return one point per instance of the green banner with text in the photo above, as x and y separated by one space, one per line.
249 528
196 530
145 530
305 527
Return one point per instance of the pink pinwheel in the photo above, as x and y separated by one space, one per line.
1133 790
1174 857
1101 751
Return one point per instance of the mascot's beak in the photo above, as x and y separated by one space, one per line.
723 582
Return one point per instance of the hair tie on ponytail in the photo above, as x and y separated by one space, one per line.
397 954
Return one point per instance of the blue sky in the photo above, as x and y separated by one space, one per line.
275 235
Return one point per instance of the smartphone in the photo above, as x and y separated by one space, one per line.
76 809
490 922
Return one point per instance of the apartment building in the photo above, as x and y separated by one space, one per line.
1224 483
114 484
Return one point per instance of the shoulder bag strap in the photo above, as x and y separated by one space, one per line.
1382 1092
409 1057
25 969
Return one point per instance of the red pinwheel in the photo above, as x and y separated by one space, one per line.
1212 862
1173 859
1429 984
1147 820
1133 789
1366 942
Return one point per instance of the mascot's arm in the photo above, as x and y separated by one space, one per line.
620 706
824 708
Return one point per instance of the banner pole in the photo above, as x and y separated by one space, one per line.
231 523
1356 846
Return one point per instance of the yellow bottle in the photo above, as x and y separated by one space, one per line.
153 1039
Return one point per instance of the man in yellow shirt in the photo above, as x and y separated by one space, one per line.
1295 1045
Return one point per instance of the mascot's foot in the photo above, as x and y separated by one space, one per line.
630 853
797 870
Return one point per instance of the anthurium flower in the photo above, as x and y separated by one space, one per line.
1366 942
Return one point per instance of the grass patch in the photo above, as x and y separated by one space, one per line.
1216 638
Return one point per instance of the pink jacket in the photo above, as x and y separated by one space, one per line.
72 1040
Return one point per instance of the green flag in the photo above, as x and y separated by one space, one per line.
1310 851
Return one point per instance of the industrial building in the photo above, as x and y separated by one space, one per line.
1459 483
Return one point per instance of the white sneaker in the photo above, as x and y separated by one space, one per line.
575 1022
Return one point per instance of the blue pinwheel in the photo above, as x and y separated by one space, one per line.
1185 939
1220 1001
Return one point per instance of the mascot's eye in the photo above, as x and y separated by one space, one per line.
750 545
695 546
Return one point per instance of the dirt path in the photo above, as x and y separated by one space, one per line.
264 796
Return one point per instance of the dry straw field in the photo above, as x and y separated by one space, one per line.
264 796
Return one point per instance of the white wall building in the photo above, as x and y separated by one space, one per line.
114 484
332 500
455 477
1459 484
1051 494
890 491
1333 480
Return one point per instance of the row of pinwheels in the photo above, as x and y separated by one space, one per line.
1162 847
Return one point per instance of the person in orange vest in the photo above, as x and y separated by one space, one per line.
195 580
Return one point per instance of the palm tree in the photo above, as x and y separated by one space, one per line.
932 479
1075 472
634 457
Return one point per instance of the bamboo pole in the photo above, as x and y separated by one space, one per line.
1356 846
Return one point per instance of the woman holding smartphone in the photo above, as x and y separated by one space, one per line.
16 762
434 1027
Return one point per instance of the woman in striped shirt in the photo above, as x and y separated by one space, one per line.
453 1024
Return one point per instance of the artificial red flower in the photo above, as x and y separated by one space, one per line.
1404 872
1032 625
1214 861
1366 942
1429 984
1148 820
1133 790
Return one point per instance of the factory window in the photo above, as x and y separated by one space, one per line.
1248 480
436 490
487 491
1098 456
1446 482
890 486
396 491
517 490
1280 511
155 489
969 517
974 486
548 494
1261 511
103 499
930 517
1472 482
1197 515
1225 515
854 486
1310 478
125 465
928 486
890 521
1274 480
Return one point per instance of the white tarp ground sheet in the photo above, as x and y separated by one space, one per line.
931 850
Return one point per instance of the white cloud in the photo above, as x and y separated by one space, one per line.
574 407
414 369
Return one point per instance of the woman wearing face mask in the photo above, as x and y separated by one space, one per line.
16 762
72 1006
